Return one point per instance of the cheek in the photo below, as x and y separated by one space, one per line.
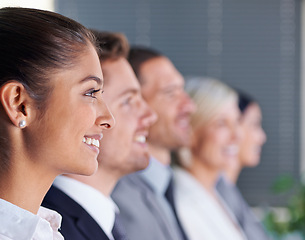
78 124
218 139
250 139
216 144
124 130
208 149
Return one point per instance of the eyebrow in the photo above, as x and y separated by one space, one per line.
94 78
170 88
128 91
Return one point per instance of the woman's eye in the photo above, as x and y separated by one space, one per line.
93 92
126 101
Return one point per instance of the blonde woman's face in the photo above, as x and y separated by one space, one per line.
218 138
252 136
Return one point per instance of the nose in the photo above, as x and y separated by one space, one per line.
149 116
105 119
187 103
264 136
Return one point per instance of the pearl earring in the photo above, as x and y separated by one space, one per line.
22 124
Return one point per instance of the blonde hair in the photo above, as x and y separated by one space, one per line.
209 95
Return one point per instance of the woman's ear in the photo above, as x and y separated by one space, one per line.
16 103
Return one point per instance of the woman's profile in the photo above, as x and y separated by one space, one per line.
51 111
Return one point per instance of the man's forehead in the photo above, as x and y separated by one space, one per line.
163 78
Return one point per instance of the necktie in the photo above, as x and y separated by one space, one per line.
118 230
169 194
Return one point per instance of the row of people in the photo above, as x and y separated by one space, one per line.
54 117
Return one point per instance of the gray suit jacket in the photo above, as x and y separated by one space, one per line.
252 228
141 214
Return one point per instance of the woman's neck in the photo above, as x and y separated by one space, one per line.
207 176
232 173
24 186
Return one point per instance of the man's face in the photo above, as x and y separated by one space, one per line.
124 148
163 89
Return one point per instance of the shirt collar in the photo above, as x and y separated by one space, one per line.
18 223
157 175
100 207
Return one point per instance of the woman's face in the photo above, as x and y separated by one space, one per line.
252 136
218 138
65 138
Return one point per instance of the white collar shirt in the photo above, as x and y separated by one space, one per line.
100 207
19 224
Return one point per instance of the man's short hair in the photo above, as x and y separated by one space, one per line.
112 45
138 55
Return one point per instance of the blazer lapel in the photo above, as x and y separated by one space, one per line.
85 224
155 209
89 228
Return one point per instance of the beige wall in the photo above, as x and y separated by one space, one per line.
40 4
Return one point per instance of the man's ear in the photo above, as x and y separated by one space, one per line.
16 103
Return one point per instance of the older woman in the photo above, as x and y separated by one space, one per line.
52 114
214 144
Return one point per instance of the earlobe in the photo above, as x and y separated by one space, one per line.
14 99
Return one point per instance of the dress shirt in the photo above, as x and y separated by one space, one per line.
19 224
157 175
101 208
200 214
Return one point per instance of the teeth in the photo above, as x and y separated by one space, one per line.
91 141
88 141
140 139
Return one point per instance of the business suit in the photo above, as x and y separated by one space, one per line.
239 207
77 224
141 214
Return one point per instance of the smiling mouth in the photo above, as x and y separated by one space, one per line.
91 141
231 150
140 139
183 122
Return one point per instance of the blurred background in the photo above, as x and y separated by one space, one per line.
252 45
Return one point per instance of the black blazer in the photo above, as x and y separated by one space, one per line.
77 224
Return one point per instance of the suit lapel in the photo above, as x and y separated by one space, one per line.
149 198
89 228
86 225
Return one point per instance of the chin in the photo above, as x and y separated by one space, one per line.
143 163
88 170
253 162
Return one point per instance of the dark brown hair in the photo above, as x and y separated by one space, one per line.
138 55
112 45
36 43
